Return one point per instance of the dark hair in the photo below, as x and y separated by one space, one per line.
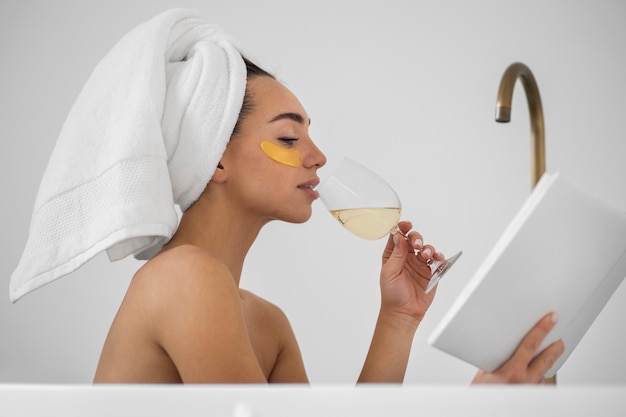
252 71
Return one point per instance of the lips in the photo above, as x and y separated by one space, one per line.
309 188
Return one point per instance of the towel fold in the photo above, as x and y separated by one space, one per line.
146 133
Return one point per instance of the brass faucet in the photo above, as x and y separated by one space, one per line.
503 113
537 130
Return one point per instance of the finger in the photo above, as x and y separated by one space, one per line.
415 240
392 243
405 226
533 339
426 253
393 261
544 361
439 256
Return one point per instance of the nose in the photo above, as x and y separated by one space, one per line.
313 157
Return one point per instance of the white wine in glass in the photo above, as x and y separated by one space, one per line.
366 205
368 223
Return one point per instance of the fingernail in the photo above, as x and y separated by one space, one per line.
418 243
427 252
395 239
554 318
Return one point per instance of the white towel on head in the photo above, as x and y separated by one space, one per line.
146 132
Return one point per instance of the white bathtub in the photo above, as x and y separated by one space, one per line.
18 400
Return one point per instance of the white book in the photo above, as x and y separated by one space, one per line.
564 251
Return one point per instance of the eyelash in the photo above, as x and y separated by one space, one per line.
288 140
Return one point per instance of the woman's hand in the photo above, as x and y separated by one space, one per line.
403 279
525 366
404 275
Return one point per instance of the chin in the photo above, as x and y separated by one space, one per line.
298 218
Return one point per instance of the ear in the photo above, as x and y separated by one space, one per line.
219 176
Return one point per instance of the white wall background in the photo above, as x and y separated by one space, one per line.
407 87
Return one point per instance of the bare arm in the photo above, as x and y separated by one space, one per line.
389 350
403 279
273 339
199 321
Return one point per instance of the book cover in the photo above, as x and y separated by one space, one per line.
564 251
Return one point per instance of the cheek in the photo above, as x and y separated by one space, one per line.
265 186
289 157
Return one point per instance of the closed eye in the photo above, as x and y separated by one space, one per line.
288 140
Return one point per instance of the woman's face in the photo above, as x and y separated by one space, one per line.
260 179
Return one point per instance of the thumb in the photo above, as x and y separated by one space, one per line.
396 259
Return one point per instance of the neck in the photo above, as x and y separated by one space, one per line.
225 233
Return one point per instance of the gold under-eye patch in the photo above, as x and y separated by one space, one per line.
290 157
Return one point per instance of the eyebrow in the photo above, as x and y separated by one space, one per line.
296 117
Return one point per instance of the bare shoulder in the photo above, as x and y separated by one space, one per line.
181 267
186 304
181 281
262 309
266 321
184 319
273 338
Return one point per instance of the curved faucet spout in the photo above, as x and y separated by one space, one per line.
503 112
503 115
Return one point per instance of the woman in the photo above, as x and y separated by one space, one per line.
184 317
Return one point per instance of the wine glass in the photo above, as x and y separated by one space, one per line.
366 205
